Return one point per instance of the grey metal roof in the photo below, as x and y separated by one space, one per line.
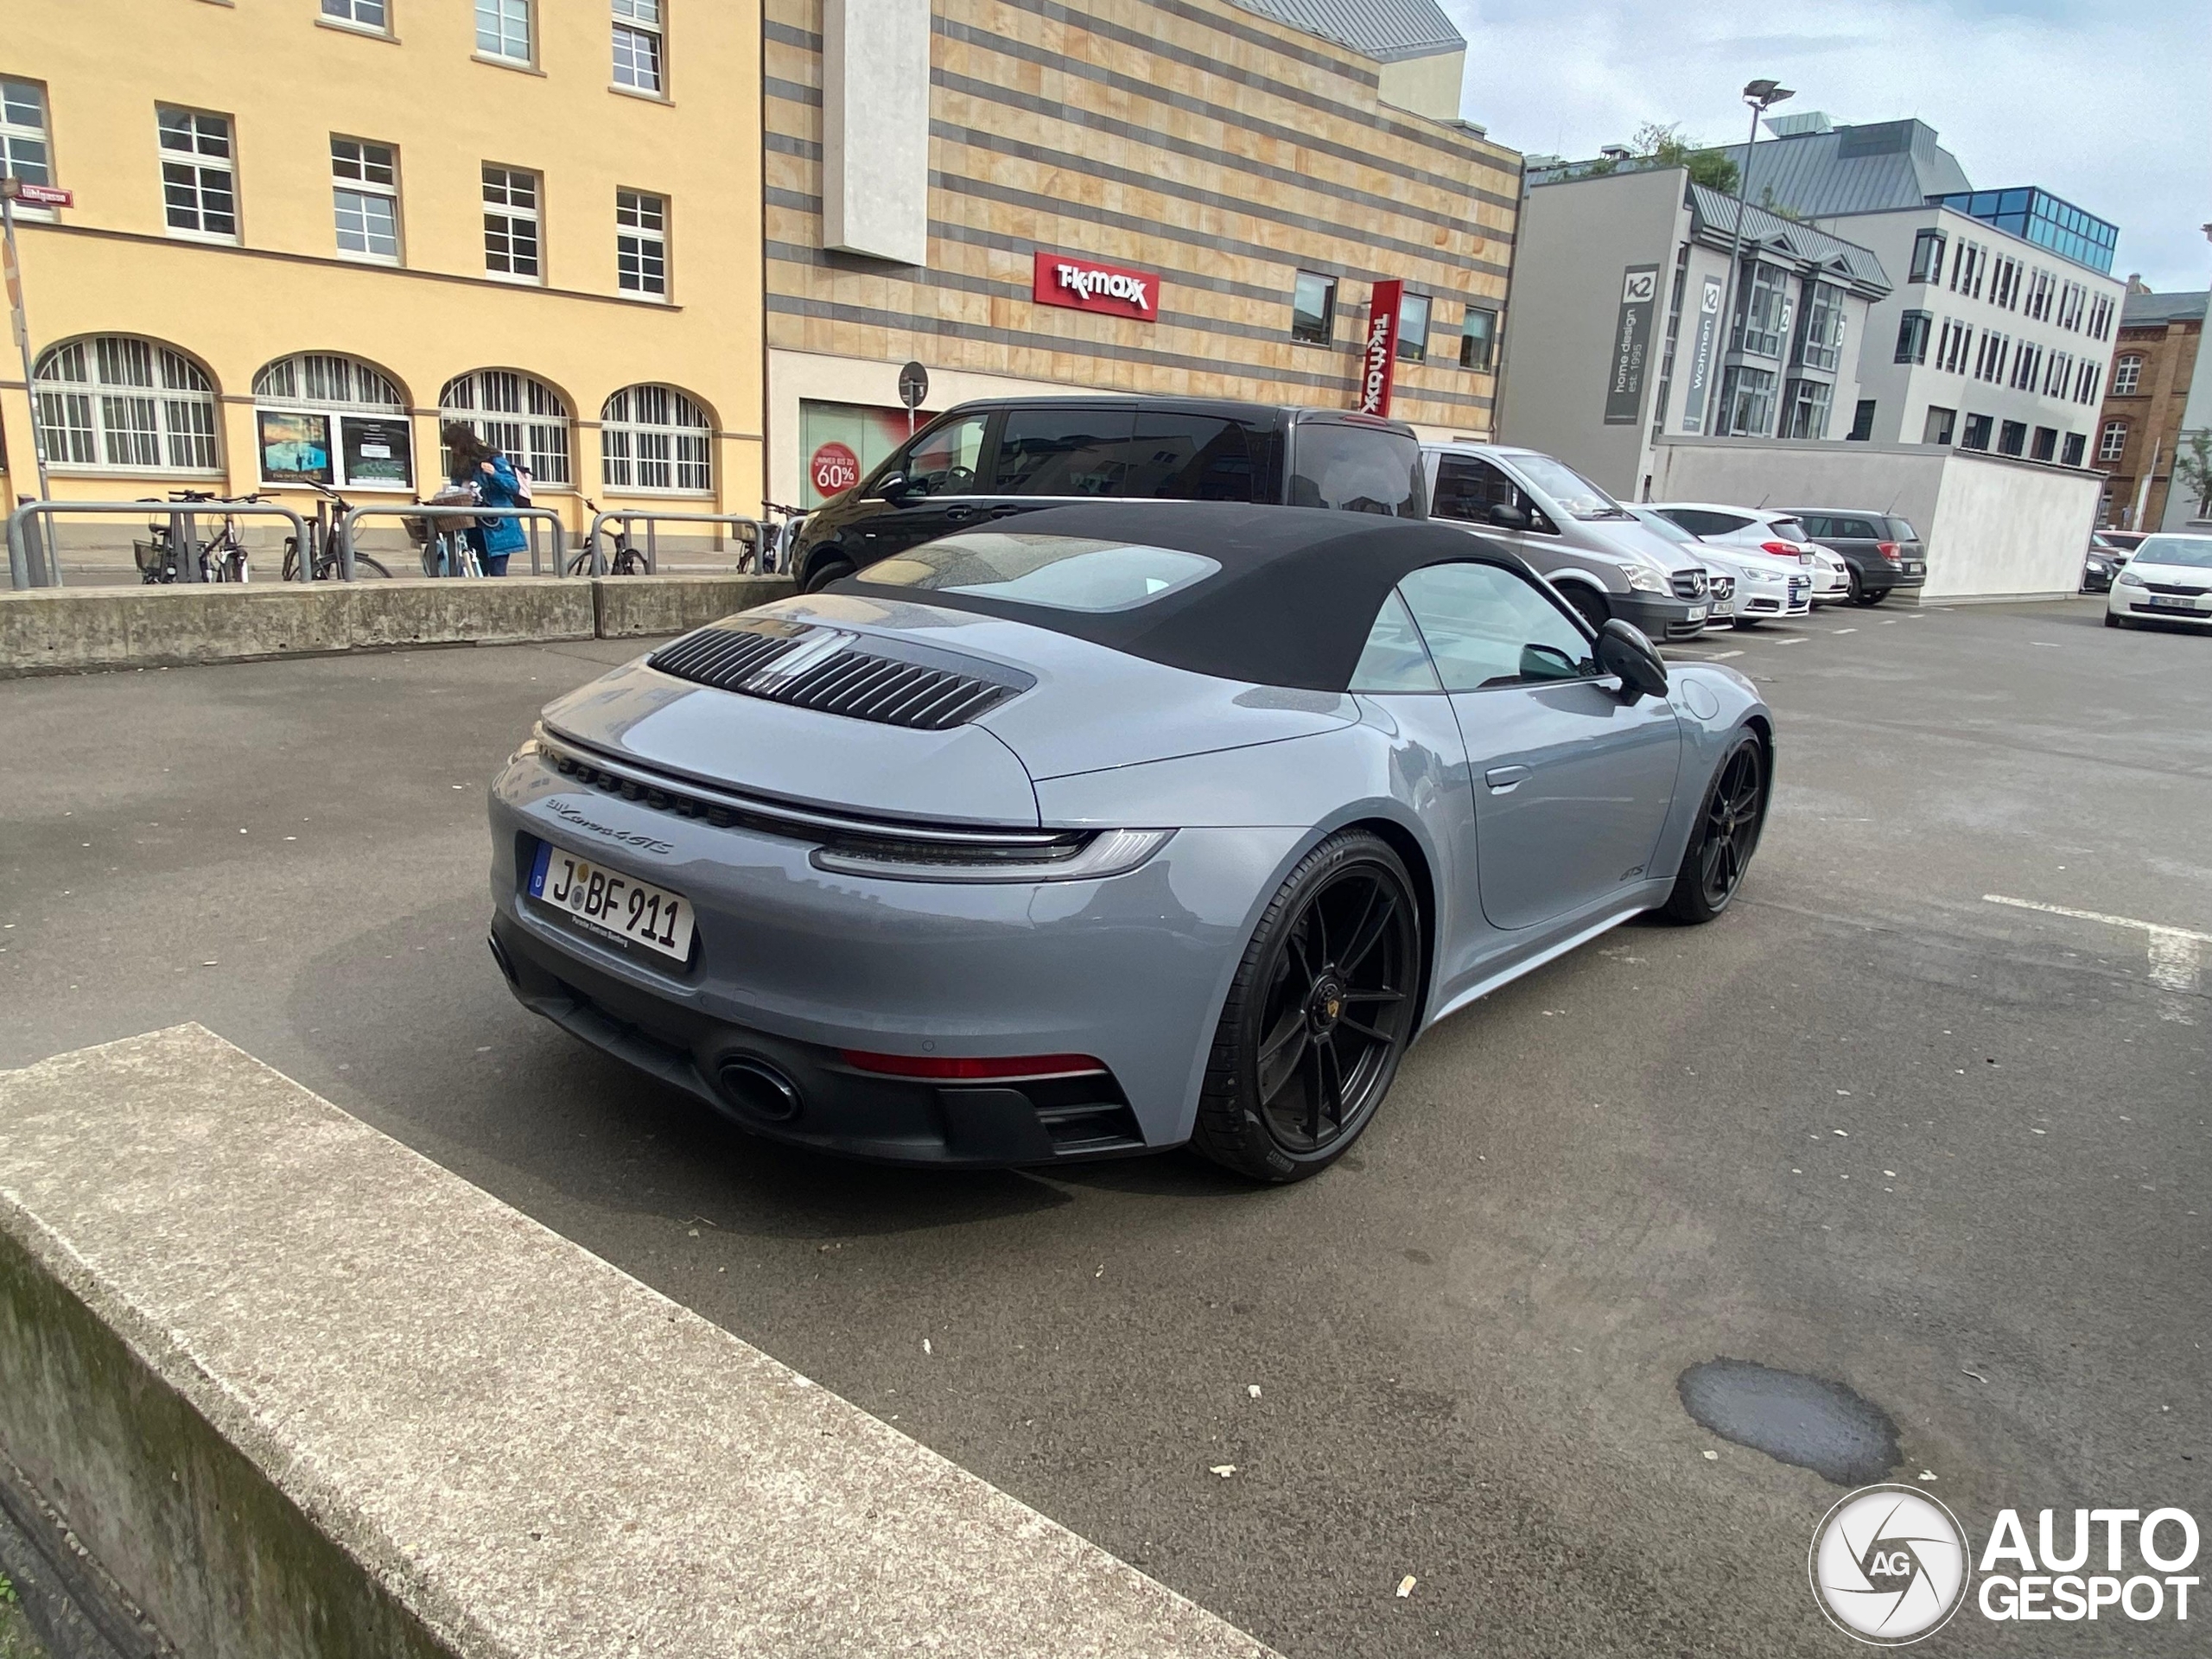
1869 167
2161 308
1714 215
1386 30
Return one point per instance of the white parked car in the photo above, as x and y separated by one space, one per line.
2167 579
1757 543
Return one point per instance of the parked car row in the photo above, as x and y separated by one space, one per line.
2166 579
1672 569
2108 550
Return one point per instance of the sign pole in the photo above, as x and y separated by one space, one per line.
14 276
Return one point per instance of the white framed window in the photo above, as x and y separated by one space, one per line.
335 420
639 38
2059 379
2072 300
116 402
641 243
25 150
511 234
2100 317
2127 375
372 15
655 441
515 412
2086 391
2113 444
199 186
503 30
2041 285
365 197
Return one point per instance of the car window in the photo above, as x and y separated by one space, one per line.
1701 521
943 462
1062 573
1395 659
1574 494
1816 525
1190 458
1902 532
1058 451
1788 528
1661 526
1486 626
1467 487
1852 530
1357 469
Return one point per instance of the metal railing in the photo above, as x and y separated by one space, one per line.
752 532
424 510
32 562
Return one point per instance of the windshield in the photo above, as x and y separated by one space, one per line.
2192 550
1660 525
1577 496
1062 573
1788 529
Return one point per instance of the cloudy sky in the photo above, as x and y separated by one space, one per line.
2108 105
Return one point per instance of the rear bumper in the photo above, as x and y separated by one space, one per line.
793 964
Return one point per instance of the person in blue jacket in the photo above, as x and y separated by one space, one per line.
476 463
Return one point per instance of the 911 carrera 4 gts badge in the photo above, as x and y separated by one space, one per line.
568 814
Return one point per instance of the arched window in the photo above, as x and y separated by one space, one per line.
514 412
655 439
2113 444
332 420
122 403
2125 375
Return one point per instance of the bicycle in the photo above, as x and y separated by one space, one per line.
626 561
329 563
779 545
447 549
221 557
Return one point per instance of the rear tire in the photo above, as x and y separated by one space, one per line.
1589 602
1725 835
1860 596
1321 1011
820 575
363 562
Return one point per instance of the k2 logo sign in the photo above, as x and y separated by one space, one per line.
1709 301
1639 287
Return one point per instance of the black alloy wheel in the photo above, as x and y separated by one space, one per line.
1322 1009
1588 602
1727 836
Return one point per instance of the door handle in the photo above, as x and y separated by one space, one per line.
1504 780
1006 509
956 515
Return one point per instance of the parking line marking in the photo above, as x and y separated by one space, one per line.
2177 953
1799 640
1843 630
1723 655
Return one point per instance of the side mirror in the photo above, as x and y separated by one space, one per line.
1506 516
894 487
1624 650
1548 662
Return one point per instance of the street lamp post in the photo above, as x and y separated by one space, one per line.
1762 96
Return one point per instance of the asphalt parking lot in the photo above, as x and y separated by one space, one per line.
1873 1126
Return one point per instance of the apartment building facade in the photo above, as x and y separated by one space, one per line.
1187 196
2158 397
306 231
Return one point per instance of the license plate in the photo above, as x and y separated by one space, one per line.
1697 613
2173 601
600 900
1914 568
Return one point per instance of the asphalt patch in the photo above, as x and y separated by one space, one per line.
1806 1420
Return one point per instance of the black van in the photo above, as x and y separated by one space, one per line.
996 458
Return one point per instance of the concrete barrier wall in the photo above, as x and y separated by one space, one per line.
65 630
304 1393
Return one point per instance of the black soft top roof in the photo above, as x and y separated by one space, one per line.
1292 604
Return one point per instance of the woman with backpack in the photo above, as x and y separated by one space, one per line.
478 466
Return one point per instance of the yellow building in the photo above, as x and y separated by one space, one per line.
304 229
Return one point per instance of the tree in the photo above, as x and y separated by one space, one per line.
1665 146
2193 468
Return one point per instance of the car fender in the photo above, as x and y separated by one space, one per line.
1736 708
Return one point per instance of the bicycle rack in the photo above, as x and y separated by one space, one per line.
653 517
424 510
32 563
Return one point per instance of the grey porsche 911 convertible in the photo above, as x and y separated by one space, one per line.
1129 826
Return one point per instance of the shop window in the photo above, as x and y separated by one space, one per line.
334 420
516 413
1413 329
198 188
1938 427
2127 375
2075 444
23 145
1747 403
1912 336
1314 308
1928 257
1806 409
119 404
641 243
2045 444
503 30
1479 340
365 198
372 15
2012 438
511 248
2113 444
655 439
1977 433
638 42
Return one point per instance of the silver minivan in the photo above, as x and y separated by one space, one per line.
1589 546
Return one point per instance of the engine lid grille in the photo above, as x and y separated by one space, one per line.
889 681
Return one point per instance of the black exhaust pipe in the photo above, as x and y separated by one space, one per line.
757 1089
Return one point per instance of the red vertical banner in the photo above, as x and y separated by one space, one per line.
1378 359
